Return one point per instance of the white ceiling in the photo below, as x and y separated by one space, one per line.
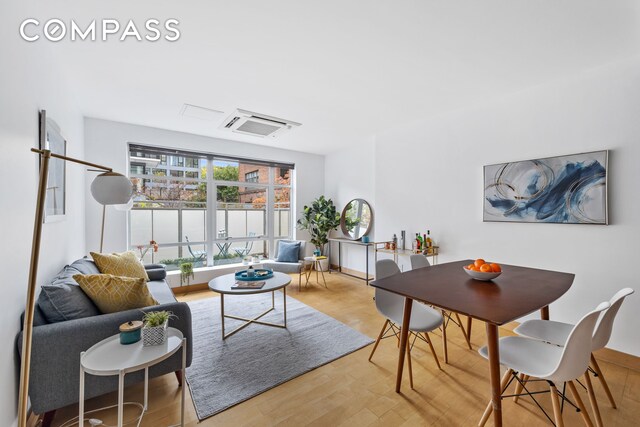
344 69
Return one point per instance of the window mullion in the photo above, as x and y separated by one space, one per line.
270 211
212 211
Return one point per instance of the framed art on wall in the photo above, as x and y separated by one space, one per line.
51 139
568 189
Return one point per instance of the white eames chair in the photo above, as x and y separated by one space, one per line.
537 359
421 261
424 319
557 333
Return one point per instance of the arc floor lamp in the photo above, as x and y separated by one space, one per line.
109 188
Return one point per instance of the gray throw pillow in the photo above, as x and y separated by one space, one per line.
62 298
288 251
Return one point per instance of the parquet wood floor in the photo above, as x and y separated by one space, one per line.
353 392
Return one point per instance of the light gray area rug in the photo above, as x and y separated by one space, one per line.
258 358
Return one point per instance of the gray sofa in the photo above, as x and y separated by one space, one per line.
56 347
289 267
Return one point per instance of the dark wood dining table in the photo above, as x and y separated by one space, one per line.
518 291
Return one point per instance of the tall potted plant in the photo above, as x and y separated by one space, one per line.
319 219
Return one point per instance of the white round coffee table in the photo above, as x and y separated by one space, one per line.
109 357
223 286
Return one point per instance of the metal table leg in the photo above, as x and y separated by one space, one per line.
146 390
184 379
222 313
366 249
81 402
120 397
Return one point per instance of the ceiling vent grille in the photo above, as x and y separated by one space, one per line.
254 124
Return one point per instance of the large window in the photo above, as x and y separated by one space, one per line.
206 209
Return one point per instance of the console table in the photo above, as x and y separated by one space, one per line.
379 247
366 246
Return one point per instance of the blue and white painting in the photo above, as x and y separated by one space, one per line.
566 189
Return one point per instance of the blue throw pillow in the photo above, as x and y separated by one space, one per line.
288 251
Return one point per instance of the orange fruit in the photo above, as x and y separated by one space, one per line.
473 268
496 268
485 268
470 267
479 262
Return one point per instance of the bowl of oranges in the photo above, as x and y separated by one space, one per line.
482 270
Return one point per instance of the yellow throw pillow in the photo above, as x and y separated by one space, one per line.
113 293
125 264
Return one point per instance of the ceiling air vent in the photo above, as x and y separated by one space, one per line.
254 124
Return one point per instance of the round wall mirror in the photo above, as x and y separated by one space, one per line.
356 219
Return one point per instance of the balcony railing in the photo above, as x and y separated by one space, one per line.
180 229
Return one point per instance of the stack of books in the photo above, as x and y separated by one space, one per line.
247 285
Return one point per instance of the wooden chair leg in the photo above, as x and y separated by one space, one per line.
592 399
469 323
375 346
47 418
444 337
557 412
179 378
580 403
519 386
489 410
409 362
433 350
596 368
464 333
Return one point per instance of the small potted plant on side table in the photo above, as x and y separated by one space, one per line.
154 331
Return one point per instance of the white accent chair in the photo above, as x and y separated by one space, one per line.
557 332
288 267
424 319
538 359
421 261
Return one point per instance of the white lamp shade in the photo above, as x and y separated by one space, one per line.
112 188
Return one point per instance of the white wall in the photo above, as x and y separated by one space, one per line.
29 82
440 187
106 142
349 174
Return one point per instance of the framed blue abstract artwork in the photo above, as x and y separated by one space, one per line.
565 189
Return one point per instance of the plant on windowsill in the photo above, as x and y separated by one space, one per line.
318 220
154 330
186 273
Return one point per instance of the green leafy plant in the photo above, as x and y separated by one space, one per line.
152 319
186 273
319 219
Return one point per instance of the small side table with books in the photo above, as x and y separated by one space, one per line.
317 266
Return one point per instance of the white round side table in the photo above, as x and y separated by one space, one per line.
109 357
